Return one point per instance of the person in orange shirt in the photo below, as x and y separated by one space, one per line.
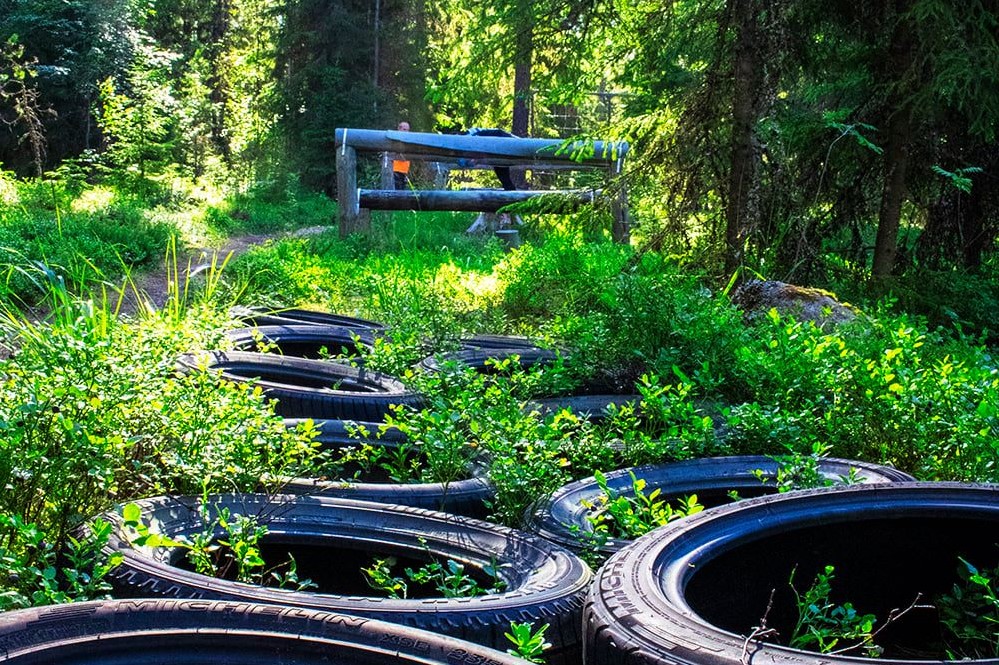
400 165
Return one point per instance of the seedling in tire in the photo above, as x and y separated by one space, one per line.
969 613
796 471
528 643
235 553
630 516
821 625
449 579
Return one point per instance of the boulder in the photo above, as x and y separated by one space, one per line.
755 298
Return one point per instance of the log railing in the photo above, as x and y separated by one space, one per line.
466 150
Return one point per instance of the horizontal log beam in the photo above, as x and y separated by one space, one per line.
486 163
463 146
474 200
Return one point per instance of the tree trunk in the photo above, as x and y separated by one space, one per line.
893 193
742 206
523 64
522 78
218 80
897 152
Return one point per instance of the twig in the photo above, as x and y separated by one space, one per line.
760 631
893 616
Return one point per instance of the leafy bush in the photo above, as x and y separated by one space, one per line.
631 515
268 207
884 389
93 413
37 572
824 626
969 613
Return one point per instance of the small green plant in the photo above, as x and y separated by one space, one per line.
969 613
380 578
400 463
528 643
227 547
448 579
797 471
822 625
632 515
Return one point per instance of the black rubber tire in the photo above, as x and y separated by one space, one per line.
589 407
562 517
476 359
334 434
304 341
462 497
647 604
486 342
263 316
198 632
303 388
546 584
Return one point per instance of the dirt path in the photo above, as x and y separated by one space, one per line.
153 286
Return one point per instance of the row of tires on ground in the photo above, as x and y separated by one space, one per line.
687 593
339 396
307 387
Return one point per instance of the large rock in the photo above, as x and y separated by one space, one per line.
755 298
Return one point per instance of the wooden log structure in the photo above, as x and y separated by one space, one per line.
490 150
474 200
469 151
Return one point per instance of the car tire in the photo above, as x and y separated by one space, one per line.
199 632
562 517
304 341
546 583
309 388
694 591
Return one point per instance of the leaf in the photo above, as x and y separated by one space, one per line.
132 514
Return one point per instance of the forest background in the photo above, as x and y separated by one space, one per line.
844 144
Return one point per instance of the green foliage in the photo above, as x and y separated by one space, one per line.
380 578
951 299
451 581
448 579
883 389
797 471
228 546
94 399
959 178
823 626
37 572
440 433
528 643
400 463
665 424
633 514
90 247
969 613
268 207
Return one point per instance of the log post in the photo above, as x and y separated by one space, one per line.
388 180
621 228
346 190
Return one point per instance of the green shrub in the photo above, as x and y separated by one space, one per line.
88 247
884 389
93 413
